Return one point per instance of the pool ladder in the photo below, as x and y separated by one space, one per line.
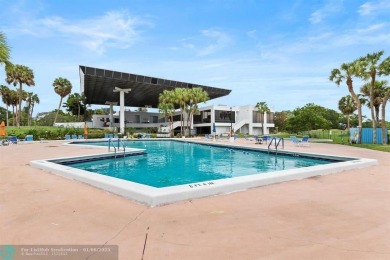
277 142
111 143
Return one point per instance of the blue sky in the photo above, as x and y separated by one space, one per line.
280 52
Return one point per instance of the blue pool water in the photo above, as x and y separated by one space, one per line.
170 163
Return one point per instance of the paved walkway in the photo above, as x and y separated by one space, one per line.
338 216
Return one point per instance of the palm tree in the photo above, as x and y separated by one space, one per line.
62 87
370 66
34 100
377 97
180 97
263 109
19 74
386 97
5 94
347 107
346 72
4 50
31 98
168 110
384 69
195 96
14 101
167 106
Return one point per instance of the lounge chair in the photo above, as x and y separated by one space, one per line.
67 137
266 138
295 140
29 138
13 140
305 141
74 136
80 137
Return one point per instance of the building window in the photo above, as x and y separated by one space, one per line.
257 117
222 116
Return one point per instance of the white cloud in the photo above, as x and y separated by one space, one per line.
251 34
331 7
221 40
369 8
113 29
210 41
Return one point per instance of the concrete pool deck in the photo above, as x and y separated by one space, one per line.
337 216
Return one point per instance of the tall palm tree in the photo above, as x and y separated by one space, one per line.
385 99
62 87
369 71
4 50
384 70
346 72
263 108
19 75
377 97
195 96
34 100
347 107
168 110
31 98
180 97
167 106
14 101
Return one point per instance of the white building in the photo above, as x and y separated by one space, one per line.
242 119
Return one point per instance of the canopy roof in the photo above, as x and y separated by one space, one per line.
98 85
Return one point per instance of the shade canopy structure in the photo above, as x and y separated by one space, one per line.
98 86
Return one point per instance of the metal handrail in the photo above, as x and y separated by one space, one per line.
276 144
123 145
109 146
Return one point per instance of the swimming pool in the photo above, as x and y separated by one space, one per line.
171 163
160 172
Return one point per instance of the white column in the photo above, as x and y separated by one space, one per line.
111 115
122 112
122 93
265 123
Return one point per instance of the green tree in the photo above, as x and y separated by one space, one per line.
47 118
195 96
384 70
14 98
181 97
377 97
76 104
262 107
6 97
31 100
346 73
19 75
370 69
62 87
347 107
167 108
4 50
308 118
280 120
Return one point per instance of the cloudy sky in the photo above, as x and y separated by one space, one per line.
280 52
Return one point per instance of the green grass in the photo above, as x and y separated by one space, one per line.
377 147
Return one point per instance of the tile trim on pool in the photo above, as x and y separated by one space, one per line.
159 196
